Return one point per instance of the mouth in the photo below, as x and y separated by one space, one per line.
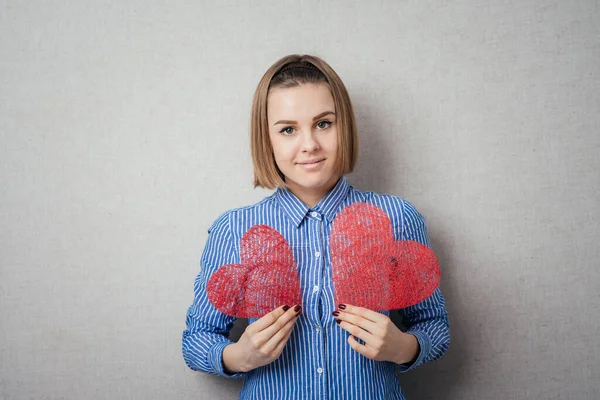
312 162
312 165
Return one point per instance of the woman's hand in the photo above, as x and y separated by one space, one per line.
262 341
383 340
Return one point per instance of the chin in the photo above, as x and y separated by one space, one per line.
312 182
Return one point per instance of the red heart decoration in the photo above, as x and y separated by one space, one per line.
371 269
266 279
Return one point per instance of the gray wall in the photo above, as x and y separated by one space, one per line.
123 129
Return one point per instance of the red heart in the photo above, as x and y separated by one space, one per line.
370 269
266 279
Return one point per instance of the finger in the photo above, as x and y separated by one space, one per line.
367 325
283 342
281 336
278 325
359 332
268 319
360 348
365 313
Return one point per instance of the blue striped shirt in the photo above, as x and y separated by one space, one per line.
317 362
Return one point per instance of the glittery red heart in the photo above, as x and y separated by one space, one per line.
371 269
266 279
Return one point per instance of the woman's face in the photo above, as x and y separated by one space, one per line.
303 132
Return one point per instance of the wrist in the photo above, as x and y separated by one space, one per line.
232 360
409 349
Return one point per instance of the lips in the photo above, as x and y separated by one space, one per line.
310 162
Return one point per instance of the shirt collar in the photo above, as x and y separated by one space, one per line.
329 205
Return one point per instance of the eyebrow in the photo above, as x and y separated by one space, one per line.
283 121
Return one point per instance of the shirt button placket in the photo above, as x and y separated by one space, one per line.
316 292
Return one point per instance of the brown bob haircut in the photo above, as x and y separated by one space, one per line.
307 69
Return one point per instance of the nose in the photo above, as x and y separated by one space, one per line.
309 143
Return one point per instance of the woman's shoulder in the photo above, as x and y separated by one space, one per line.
407 221
230 217
398 208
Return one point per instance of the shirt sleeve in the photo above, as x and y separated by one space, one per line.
427 320
207 328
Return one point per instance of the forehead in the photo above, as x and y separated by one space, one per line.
299 102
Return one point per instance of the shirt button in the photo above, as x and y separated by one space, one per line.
314 214
320 370
318 254
315 289
318 329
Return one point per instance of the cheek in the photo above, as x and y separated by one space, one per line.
332 142
281 151
284 150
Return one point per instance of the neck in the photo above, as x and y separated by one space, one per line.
311 196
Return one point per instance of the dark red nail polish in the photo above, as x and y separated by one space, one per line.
337 321
336 313
297 309
285 308
342 306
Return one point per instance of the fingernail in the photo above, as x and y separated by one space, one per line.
336 313
285 308
337 321
342 306
297 309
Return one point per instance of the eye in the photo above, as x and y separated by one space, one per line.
321 126
286 131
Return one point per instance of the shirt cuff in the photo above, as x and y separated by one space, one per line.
215 359
425 348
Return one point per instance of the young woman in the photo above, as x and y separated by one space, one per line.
304 141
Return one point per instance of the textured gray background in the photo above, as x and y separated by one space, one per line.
124 134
